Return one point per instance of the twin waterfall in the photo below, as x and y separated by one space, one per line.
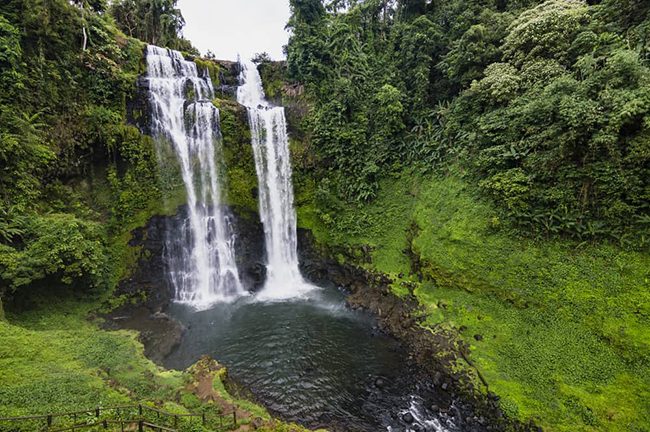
273 165
200 252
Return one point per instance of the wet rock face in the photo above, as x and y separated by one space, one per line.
137 107
228 80
257 273
150 274
249 249
150 291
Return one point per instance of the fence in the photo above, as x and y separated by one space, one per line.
49 420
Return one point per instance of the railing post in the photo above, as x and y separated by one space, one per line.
234 416
49 420
140 409
141 425
203 418
105 424
175 421
97 412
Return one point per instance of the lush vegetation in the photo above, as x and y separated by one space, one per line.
563 327
72 171
158 22
492 158
54 362
77 176
544 106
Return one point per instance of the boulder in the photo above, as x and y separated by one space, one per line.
408 418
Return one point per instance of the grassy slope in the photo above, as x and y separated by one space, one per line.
52 359
56 361
564 326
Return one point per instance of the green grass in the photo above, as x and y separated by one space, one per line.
544 367
601 287
54 360
565 325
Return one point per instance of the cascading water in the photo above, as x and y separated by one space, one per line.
200 252
272 162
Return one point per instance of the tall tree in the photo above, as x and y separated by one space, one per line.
158 22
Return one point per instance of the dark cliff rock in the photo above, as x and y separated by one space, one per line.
148 291
249 248
228 80
137 107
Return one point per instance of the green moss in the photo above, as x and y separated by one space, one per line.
602 287
241 177
273 78
212 69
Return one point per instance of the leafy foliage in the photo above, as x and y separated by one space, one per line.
158 22
564 325
545 105
68 164
57 245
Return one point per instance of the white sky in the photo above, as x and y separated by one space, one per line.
228 27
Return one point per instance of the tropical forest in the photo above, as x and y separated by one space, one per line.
414 216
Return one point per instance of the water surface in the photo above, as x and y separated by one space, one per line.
312 361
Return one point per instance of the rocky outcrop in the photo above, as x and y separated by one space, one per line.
228 80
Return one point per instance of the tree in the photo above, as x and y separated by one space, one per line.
263 57
546 31
158 22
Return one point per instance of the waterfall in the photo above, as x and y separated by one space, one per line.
270 143
199 252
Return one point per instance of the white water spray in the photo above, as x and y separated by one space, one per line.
272 162
200 254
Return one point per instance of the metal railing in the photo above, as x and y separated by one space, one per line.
50 419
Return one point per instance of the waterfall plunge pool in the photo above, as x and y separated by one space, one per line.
312 361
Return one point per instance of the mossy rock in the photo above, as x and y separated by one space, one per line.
239 161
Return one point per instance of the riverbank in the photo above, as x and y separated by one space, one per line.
555 328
